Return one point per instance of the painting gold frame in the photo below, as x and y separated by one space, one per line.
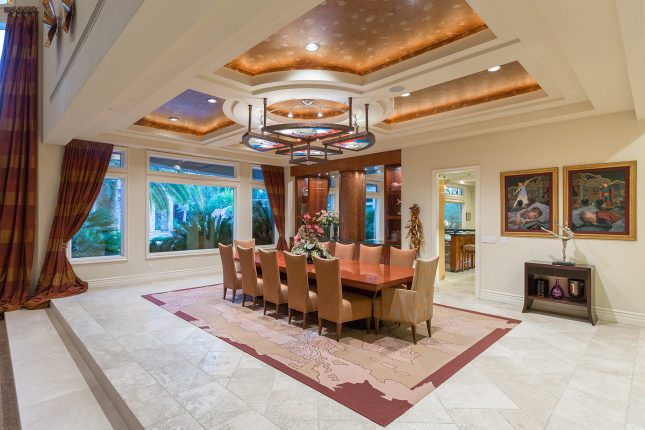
553 209
631 216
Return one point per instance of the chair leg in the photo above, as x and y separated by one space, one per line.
277 310
304 320
243 299
428 325
254 300
368 323
339 329
414 334
265 306
378 323
289 312
224 296
233 298
319 327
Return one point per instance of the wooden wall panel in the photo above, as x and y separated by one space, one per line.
352 205
318 191
350 163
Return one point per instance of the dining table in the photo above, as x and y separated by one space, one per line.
368 277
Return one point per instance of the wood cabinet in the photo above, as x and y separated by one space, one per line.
393 183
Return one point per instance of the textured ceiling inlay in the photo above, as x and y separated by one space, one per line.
511 80
308 108
193 112
360 37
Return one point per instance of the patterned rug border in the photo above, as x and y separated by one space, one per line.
380 411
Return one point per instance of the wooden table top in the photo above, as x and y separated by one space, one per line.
356 274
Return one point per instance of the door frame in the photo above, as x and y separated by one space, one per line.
436 241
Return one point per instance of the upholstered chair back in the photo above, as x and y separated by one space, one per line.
425 273
370 254
228 265
250 243
330 293
402 257
297 280
249 272
344 252
270 275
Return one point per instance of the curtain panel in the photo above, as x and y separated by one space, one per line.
275 186
18 154
84 167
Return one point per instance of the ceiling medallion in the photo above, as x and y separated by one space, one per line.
309 142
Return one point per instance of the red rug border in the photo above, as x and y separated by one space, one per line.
378 414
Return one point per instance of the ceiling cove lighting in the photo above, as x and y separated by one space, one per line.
211 100
308 142
494 68
405 94
173 119
312 47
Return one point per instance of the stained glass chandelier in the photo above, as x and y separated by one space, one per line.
309 142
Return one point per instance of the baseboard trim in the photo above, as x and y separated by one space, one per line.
122 280
604 314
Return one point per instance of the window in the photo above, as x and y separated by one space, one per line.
371 188
371 218
452 214
187 217
262 218
102 233
117 161
256 174
2 28
454 191
330 202
185 166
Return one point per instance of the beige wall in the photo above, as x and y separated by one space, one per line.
469 206
137 264
616 137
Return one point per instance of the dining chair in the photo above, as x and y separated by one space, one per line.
301 298
344 252
370 254
402 257
232 279
274 291
251 285
410 306
334 304
250 243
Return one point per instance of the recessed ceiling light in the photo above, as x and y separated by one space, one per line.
494 68
397 89
319 114
312 47
212 100
173 119
405 94
290 114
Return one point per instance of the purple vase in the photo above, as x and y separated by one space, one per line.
557 292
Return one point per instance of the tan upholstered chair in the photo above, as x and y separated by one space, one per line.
410 306
344 252
250 243
301 298
251 285
274 291
334 305
232 279
402 257
370 254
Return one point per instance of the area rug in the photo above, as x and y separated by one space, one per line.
378 376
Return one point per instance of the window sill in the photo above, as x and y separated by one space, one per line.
97 260
161 255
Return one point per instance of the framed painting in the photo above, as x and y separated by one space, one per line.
529 202
600 200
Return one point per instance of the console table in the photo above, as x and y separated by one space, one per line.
545 270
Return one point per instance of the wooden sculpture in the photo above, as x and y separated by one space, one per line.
69 9
50 21
415 229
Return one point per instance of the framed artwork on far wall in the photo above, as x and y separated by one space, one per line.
600 200
529 202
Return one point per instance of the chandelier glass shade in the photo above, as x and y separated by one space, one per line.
308 142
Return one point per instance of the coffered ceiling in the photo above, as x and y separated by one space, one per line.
559 60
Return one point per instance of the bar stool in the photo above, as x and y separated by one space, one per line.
468 256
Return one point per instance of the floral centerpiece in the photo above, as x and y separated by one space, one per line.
329 222
307 239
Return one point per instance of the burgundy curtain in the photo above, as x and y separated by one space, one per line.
18 154
274 183
81 179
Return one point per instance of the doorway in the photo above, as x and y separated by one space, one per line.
456 235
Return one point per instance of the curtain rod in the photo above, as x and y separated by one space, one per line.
20 9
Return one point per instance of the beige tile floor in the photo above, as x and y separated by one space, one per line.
549 372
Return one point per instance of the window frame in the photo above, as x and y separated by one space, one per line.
113 173
209 178
254 186
461 214
124 158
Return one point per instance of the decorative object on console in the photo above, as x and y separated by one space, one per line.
529 202
50 22
557 292
600 200
566 236
69 10
541 287
307 240
328 221
576 289
415 229
308 142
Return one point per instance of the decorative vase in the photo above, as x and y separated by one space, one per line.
557 292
